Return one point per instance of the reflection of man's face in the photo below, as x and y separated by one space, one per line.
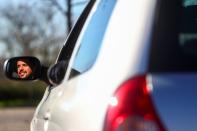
23 69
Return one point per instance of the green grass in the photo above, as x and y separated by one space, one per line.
18 103
20 94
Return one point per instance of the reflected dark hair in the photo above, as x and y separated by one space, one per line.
29 63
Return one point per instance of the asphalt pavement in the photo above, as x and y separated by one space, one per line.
16 119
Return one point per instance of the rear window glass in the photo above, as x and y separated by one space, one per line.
174 45
93 36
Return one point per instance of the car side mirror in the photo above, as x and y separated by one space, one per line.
22 68
57 72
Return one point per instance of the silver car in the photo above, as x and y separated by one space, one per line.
126 66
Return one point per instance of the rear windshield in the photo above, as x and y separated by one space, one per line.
174 43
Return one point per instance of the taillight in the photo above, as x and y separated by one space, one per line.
131 108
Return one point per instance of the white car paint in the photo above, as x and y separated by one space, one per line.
80 104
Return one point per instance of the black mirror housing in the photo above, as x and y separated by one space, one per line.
22 68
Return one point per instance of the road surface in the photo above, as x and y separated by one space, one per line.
15 119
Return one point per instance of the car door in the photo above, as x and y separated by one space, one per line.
40 121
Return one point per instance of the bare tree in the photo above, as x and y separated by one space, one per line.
67 11
30 30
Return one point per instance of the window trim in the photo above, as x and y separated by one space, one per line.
66 51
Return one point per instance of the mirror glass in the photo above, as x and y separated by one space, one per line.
22 68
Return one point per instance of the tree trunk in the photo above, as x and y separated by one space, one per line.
69 15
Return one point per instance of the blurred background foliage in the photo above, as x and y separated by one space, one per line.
33 28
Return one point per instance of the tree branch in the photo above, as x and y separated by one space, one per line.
54 2
79 3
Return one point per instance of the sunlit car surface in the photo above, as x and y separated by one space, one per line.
131 66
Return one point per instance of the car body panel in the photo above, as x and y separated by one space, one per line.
91 91
178 113
80 103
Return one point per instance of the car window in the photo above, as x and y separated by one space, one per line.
93 36
174 41
57 71
68 47
188 32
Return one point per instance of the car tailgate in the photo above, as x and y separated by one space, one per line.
175 98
